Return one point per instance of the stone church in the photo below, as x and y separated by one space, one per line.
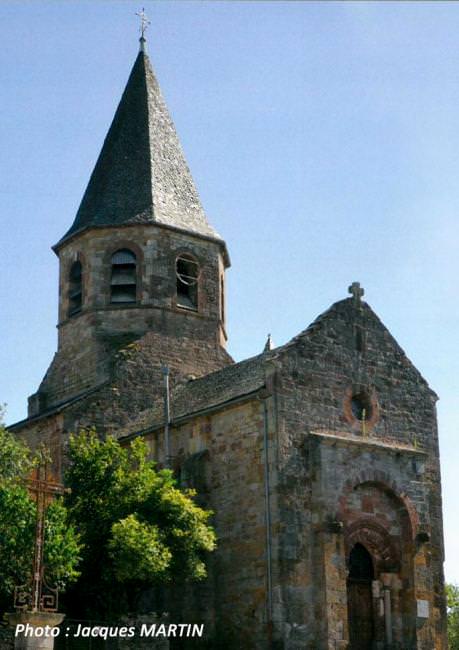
319 457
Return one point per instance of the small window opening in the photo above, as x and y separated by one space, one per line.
123 285
361 406
75 288
187 272
222 299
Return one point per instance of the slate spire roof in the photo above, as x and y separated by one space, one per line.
141 175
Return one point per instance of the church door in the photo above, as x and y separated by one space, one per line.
360 599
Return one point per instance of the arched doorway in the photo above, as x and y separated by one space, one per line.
359 598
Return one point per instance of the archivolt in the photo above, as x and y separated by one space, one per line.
376 540
384 482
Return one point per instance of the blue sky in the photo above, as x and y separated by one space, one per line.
324 140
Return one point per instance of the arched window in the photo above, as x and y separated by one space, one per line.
75 288
123 285
222 299
187 274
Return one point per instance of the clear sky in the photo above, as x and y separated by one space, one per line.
324 140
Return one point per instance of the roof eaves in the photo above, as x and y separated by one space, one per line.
156 425
55 409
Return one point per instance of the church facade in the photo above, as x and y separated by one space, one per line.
319 458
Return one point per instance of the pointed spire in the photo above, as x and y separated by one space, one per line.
141 175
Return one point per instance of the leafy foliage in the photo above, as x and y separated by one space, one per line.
17 528
452 600
138 550
16 461
62 546
137 527
18 521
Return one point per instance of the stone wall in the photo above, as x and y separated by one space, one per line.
334 480
326 455
221 455
89 339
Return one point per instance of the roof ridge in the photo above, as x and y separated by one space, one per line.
141 175
144 56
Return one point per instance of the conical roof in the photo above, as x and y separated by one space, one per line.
141 175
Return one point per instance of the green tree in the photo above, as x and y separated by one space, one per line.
452 602
18 521
138 528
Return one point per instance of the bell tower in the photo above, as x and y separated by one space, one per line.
140 266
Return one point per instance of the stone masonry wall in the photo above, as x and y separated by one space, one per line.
334 481
221 455
397 449
89 339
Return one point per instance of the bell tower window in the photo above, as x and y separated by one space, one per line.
187 275
123 285
75 288
222 299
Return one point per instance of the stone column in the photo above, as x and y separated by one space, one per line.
378 613
392 620
388 616
335 585
35 630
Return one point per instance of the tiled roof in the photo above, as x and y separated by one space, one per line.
216 388
240 379
141 175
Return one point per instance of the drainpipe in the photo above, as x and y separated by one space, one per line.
167 416
267 517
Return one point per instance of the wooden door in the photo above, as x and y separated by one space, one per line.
360 599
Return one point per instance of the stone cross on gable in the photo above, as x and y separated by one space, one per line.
357 292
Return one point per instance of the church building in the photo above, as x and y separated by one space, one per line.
319 458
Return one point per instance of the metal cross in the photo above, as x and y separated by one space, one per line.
144 22
34 597
357 292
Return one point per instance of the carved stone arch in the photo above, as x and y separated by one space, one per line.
376 539
118 244
378 516
385 483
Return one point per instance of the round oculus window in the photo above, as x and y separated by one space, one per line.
361 406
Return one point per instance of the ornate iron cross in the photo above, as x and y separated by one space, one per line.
144 22
37 596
